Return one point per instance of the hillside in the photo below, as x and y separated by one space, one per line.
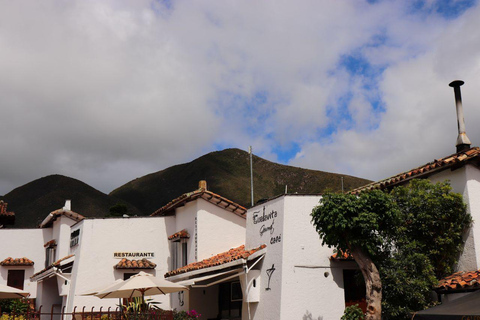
33 201
227 173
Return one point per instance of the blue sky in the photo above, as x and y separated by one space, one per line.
107 91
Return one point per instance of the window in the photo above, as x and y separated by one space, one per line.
15 278
50 250
354 288
179 253
74 237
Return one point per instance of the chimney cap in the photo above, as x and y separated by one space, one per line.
456 83
202 184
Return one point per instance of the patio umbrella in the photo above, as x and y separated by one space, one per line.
7 292
466 307
140 285
92 292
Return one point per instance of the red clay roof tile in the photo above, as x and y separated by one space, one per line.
459 281
455 160
51 243
340 255
17 262
206 195
182 234
60 212
135 264
219 259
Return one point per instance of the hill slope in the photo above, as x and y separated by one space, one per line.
228 173
33 201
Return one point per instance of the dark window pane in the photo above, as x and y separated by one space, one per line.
16 278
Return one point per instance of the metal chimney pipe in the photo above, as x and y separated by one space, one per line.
463 143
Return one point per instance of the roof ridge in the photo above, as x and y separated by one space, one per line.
193 195
429 167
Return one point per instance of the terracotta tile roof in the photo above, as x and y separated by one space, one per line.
55 264
48 221
6 217
459 281
340 256
135 264
182 234
219 259
203 193
17 262
51 243
453 161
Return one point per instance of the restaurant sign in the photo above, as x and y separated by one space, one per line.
130 255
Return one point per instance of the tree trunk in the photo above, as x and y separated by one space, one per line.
373 283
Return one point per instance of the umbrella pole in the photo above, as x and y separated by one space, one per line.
143 300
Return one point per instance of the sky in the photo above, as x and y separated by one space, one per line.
108 91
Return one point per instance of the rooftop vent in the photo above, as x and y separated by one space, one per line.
463 143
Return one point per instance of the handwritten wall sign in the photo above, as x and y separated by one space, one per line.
264 229
276 239
269 274
257 218
267 227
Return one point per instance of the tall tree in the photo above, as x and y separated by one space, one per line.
400 240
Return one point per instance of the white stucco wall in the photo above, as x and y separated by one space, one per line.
94 260
312 286
262 232
185 219
466 181
298 288
218 230
473 199
19 243
61 233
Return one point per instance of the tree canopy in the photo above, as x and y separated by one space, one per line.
408 237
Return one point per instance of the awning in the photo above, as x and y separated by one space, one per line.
461 308
212 278
53 269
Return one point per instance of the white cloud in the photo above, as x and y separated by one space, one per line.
106 91
419 122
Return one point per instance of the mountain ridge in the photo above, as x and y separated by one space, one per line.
227 173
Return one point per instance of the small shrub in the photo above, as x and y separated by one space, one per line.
19 306
184 315
10 317
353 313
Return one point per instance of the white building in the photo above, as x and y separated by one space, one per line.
266 263
69 255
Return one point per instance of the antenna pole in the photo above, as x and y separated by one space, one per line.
251 173
342 185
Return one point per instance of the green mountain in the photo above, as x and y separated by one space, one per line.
33 201
227 173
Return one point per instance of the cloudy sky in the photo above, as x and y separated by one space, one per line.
107 91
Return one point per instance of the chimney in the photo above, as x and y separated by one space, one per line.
463 143
202 184
68 205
